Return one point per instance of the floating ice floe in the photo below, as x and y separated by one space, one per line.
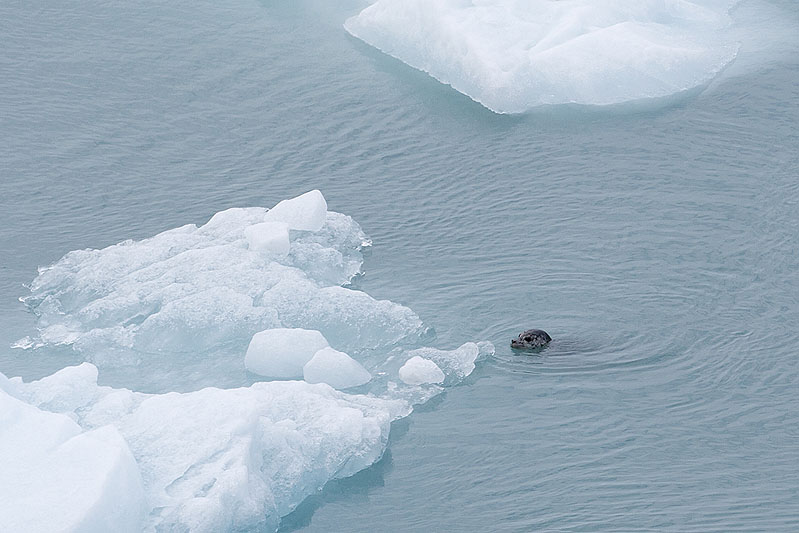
184 440
195 296
513 55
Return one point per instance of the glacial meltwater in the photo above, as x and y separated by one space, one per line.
178 352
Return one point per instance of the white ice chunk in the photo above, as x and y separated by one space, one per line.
305 212
512 55
269 238
283 352
335 368
55 478
418 370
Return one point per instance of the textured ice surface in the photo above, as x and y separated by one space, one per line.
512 55
335 368
281 352
172 303
187 309
418 370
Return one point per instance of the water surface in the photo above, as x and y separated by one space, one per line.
658 248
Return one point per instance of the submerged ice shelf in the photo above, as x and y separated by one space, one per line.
192 440
513 55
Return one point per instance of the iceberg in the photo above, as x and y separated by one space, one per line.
180 436
514 55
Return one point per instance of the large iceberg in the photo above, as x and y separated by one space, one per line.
513 55
181 436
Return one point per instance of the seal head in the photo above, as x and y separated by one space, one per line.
531 339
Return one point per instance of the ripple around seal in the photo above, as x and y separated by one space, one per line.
578 355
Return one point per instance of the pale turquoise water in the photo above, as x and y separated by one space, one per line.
660 249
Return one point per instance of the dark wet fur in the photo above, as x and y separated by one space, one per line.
531 340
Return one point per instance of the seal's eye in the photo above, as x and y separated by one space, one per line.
528 339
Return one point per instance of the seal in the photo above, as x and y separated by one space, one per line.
531 339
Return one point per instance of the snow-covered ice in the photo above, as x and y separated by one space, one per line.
418 370
184 440
335 368
513 55
282 352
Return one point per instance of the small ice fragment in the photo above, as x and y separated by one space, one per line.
335 368
456 364
281 353
25 343
306 212
418 370
269 237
